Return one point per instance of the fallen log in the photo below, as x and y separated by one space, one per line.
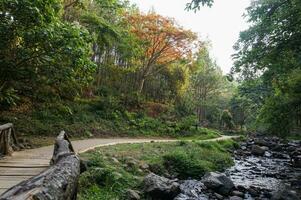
58 182
8 139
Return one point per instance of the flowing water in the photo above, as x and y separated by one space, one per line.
265 172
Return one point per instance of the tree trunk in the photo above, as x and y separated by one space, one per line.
141 85
58 182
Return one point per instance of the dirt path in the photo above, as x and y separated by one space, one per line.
25 164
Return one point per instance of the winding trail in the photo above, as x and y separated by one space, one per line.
24 164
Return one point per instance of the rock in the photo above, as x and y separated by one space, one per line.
296 181
218 196
160 187
295 157
285 194
277 148
133 194
267 154
261 142
291 148
250 142
296 160
115 160
218 182
192 190
185 197
253 191
267 195
235 198
280 155
257 150
294 143
144 166
238 193
241 188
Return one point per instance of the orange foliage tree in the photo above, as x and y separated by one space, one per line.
163 42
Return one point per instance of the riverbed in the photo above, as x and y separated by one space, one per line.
271 172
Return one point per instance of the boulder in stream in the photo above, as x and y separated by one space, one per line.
218 182
159 187
257 150
296 160
285 194
235 198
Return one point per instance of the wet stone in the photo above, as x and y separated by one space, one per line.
235 198
218 196
218 182
238 193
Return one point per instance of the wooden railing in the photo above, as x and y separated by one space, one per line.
58 182
8 139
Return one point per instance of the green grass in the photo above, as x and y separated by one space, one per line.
108 179
201 134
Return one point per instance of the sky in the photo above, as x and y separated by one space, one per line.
220 24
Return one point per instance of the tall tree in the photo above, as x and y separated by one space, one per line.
114 47
163 42
271 49
41 56
206 82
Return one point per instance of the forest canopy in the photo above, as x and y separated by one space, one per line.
268 61
55 54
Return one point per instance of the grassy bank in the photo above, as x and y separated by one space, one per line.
102 118
112 170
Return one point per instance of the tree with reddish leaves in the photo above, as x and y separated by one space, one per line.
163 42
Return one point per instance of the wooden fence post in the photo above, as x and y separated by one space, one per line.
8 139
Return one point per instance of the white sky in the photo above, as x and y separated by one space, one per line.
220 24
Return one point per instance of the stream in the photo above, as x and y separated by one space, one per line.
266 169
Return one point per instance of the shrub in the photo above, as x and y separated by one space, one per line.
227 119
8 97
96 193
104 176
186 165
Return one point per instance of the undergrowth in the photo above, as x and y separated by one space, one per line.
115 169
102 117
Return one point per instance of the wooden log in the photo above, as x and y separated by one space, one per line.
58 182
